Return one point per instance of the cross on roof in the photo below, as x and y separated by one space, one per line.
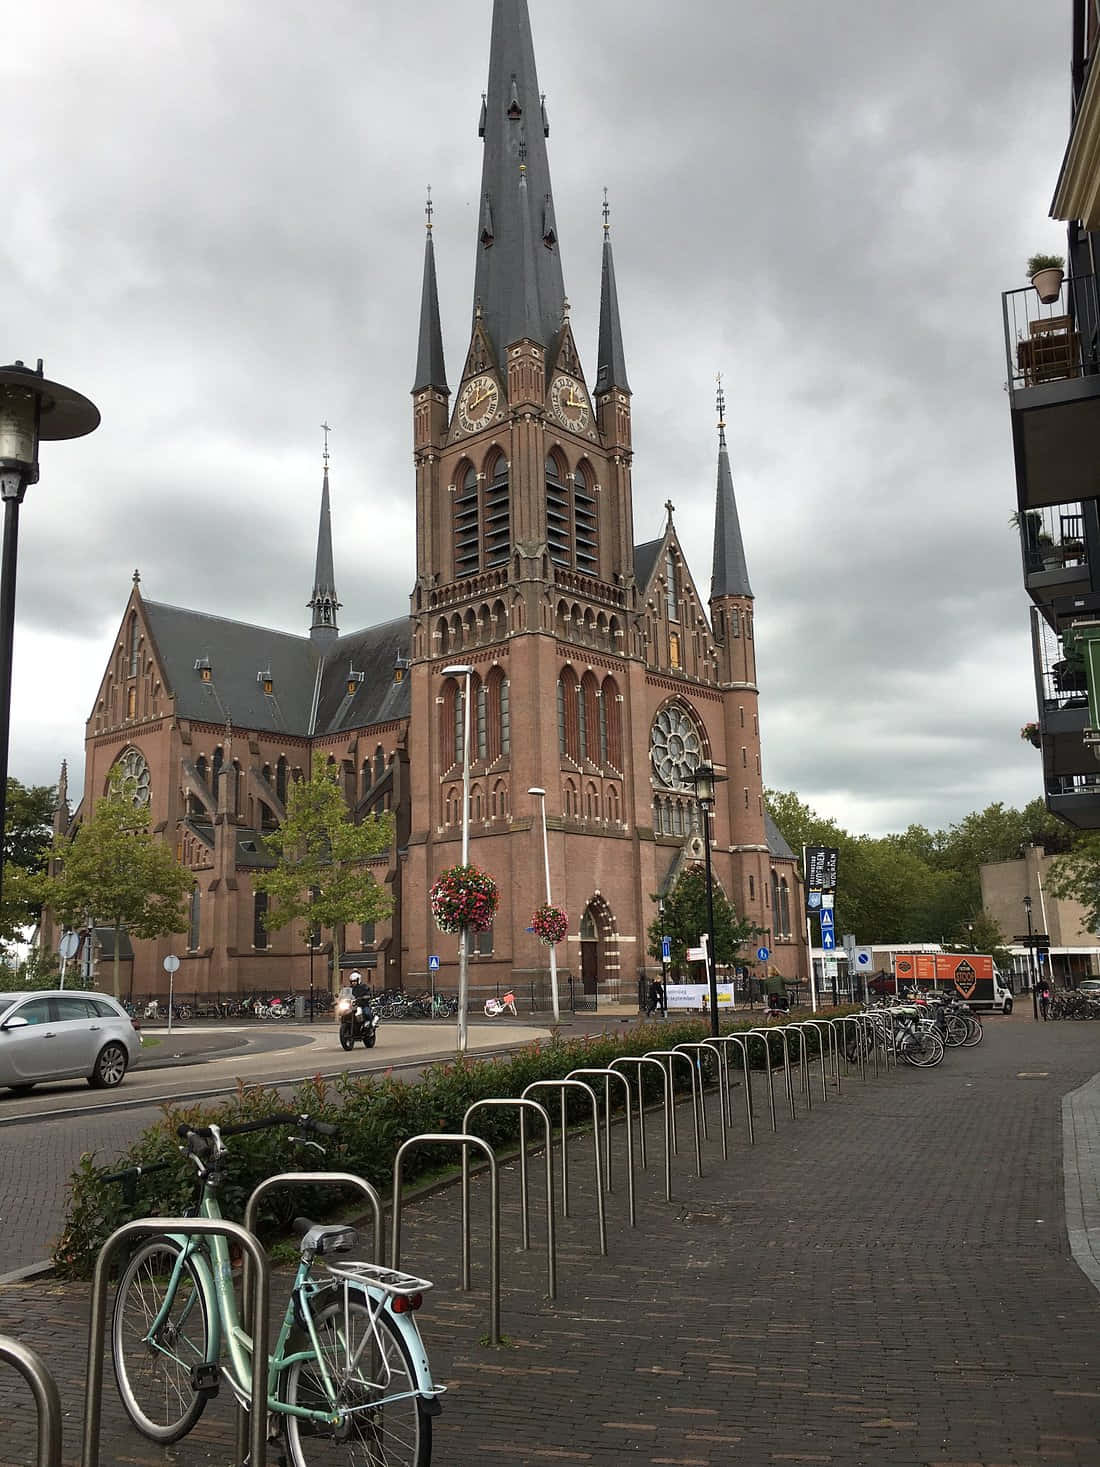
670 507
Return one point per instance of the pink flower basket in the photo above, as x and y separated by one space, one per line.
550 924
464 896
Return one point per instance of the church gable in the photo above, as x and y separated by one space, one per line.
135 687
677 633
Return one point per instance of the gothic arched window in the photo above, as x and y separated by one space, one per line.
586 521
675 746
590 719
569 734
498 536
558 535
280 778
193 919
613 716
133 638
467 533
672 587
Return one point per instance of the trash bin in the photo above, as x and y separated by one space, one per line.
299 1006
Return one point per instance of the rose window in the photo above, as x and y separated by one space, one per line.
135 776
674 747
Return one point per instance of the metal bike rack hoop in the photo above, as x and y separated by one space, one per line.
561 1086
551 1243
47 1401
670 1055
666 1090
765 1037
150 1227
742 1041
452 1139
721 1078
608 1076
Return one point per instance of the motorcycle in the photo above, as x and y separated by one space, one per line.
357 1021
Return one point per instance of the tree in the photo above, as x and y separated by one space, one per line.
1076 875
982 934
115 873
684 920
321 875
27 834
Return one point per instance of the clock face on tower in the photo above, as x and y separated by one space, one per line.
477 403
570 405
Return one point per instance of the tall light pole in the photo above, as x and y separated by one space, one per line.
541 793
464 670
705 780
32 409
1031 965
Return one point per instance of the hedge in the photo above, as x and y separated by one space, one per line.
374 1113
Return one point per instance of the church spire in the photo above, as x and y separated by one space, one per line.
611 360
518 273
430 370
323 602
730 575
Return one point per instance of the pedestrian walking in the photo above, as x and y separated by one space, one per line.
1044 998
662 996
652 999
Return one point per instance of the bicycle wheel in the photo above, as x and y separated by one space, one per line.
927 1049
977 1033
154 1375
958 1030
378 1431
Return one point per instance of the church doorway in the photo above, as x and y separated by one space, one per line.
599 949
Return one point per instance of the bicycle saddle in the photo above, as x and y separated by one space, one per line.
322 1240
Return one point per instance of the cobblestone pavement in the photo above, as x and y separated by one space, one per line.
884 1283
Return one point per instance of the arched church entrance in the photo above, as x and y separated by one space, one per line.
599 949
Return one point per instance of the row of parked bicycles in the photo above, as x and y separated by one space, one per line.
250 1006
920 1030
1073 1005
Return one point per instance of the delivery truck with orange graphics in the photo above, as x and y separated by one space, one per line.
973 977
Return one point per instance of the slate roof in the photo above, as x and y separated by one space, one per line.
237 651
611 359
378 698
777 842
518 278
430 368
645 558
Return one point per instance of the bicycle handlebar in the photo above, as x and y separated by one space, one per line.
264 1123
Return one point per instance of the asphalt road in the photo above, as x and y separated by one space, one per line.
43 1135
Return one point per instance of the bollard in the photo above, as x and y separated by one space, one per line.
451 1139
608 1076
47 1401
561 1086
551 1245
257 1347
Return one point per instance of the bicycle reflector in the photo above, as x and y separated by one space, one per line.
406 1303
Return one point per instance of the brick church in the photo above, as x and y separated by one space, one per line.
599 671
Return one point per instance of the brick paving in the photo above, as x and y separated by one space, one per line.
886 1282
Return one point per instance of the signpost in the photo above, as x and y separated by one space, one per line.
433 969
171 964
67 948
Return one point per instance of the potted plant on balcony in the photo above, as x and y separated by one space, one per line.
1046 273
1030 734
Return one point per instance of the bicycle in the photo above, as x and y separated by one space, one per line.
348 1379
505 1005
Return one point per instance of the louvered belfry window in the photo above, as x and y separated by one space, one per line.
466 527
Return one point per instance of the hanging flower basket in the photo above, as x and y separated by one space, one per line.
550 924
463 896
1030 734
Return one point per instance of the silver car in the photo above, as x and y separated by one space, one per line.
56 1035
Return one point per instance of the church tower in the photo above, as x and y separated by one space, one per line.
323 603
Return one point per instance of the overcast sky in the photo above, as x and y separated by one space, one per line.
214 228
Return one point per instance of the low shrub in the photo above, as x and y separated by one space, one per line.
375 1113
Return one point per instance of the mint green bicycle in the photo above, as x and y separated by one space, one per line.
349 1383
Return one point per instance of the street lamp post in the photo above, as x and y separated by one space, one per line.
541 793
705 781
465 671
1031 960
32 409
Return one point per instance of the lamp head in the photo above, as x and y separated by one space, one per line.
458 669
32 409
535 790
706 782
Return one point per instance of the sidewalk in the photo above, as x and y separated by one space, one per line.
887 1282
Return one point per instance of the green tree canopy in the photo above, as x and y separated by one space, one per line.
28 829
685 920
321 875
115 873
1076 875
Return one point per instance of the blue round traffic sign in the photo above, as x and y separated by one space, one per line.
763 954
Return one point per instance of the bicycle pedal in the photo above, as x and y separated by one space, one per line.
205 1380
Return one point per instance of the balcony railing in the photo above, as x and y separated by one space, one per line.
1053 538
1062 681
1055 342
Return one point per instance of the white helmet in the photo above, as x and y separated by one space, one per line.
356 977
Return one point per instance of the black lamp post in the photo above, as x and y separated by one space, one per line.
705 781
31 409
1031 961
